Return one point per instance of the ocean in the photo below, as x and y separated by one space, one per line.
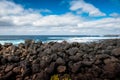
16 39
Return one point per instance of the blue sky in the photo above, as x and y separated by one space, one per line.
59 17
62 6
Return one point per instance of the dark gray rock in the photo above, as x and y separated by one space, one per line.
13 58
50 69
54 57
60 61
35 68
72 51
61 69
9 68
111 70
76 67
116 52
8 44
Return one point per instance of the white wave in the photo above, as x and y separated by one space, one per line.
60 39
11 41
54 41
57 38
89 39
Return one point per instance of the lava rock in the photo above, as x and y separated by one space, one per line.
35 68
61 69
60 61
112 70
116 52
8 44
13 58
9 68
72 51
51 68
76 67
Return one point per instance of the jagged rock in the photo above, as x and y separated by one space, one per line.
39 61
17 70
72 51
111 70
116 52
13 58
51 68
60 61
35 68
61 69
7 44
76 67
9 68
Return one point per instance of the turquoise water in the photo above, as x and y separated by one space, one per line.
56 38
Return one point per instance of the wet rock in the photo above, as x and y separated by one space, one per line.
8 44
61 69
29 41
21 45
39 43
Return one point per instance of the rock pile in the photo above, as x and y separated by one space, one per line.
80 61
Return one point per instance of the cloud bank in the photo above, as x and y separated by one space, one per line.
16 20
80 6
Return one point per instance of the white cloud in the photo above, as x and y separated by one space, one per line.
57 20
80 6
115 14
9 8
16 20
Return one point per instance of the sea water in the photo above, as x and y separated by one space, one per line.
16 39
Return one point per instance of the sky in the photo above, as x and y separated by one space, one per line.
59 17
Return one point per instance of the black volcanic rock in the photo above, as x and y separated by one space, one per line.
116 52
78 61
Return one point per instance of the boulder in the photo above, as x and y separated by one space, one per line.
60 61
9 68
61 69
72 51
116 52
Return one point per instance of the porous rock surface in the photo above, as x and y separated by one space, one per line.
81 61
